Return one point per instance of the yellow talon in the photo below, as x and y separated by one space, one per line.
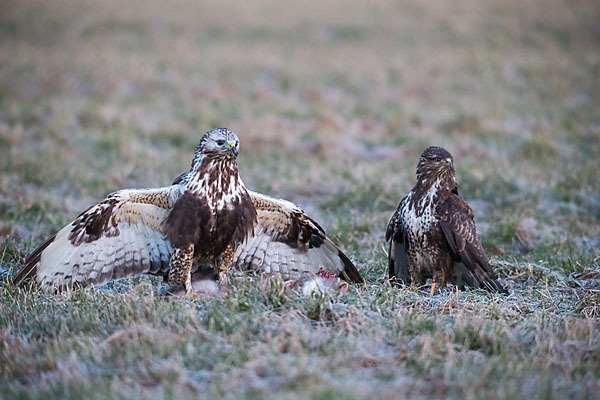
432 289
193 294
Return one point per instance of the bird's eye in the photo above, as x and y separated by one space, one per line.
220 142
438 159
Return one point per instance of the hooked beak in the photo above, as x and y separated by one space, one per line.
448 161
233 147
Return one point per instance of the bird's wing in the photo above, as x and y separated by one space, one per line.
397 263
288 242
120 236
458 225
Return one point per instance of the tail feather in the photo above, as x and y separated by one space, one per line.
487 282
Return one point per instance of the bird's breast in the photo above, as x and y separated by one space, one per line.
422 230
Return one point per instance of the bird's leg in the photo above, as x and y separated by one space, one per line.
432 289
417 278
440 281
224 263
180 268
189 290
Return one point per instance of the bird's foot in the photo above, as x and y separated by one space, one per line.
189 289
438 288
432 290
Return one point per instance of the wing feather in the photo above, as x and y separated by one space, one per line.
397 261
120 236
458 226
288 242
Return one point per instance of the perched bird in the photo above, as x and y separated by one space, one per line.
432 234
163 231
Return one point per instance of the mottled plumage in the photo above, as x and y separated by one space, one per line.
163 231
288 242
432 234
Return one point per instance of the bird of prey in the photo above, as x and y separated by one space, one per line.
162 231
288 242
432 234
205 218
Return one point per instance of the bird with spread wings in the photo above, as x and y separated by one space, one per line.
206 217
288 242
432 234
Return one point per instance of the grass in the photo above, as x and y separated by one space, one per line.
333 110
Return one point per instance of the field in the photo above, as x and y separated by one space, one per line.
333 103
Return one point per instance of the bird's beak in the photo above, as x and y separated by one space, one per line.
233 146
449 161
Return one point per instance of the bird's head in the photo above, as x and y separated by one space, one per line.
220 142
435 161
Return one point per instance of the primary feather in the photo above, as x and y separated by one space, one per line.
118 237
288 242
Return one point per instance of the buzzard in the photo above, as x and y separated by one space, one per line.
163 231
206 217
286 241
432 234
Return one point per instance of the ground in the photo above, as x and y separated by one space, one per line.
333 103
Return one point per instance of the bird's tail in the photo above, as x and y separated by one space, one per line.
478 278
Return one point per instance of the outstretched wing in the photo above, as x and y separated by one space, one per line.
118 237
458 224
288 242
397 263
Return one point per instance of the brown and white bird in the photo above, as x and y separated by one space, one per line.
289 243
205 218
163 231
432 234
